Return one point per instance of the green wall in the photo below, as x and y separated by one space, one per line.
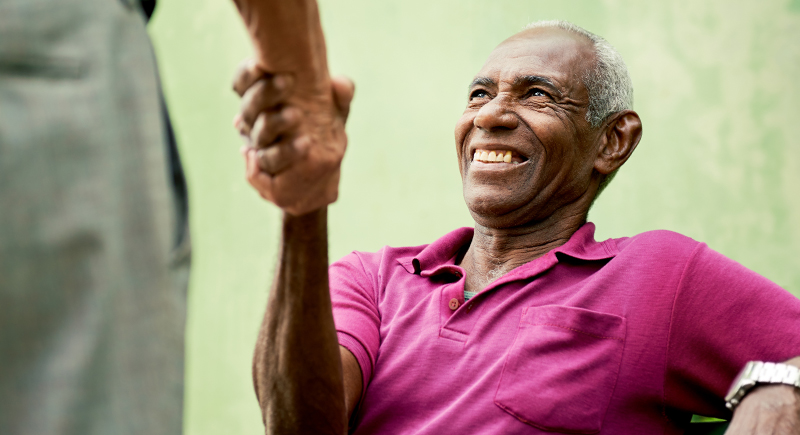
716 86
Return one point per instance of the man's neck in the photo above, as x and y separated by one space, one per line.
496 251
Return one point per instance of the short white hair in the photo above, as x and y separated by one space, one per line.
608 82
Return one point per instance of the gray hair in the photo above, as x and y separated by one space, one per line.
609 84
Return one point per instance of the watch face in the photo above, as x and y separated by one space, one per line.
743 382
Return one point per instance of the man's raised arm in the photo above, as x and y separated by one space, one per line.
297 372
292 117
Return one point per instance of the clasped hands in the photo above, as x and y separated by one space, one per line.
295 137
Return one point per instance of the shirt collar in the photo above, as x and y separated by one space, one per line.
581 245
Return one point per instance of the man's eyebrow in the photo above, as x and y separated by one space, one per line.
519 82
525 81
483 81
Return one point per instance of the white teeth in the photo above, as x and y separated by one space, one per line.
492 156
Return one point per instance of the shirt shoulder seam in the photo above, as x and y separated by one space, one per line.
678 287
373 278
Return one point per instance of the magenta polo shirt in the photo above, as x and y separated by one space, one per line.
625 336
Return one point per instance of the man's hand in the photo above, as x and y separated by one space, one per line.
768 409
295 143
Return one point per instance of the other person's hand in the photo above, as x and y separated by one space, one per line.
295 142
768 409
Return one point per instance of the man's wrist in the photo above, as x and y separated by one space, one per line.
307 225
757 373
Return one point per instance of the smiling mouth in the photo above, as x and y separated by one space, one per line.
497 156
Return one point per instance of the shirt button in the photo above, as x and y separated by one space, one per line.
454 304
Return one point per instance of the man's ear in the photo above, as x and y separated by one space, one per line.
622 133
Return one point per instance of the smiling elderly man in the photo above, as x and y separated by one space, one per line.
524 324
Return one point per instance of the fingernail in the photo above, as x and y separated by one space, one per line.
237 120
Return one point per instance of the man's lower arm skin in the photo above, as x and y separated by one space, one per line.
297 369
768 409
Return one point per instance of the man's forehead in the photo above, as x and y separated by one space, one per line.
555 53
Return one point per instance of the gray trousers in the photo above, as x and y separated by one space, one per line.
94 251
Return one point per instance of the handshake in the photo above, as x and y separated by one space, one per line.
292 112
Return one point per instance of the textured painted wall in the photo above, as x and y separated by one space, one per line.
716 87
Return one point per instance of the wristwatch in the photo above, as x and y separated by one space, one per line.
757 373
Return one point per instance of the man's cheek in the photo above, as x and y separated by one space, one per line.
463 126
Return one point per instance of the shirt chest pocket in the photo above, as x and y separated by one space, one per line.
561 370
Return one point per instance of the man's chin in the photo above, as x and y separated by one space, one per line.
495 212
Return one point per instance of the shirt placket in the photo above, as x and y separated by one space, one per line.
459 317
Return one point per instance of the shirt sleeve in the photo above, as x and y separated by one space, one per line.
723 316
355 311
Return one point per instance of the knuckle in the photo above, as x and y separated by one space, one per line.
303 144
291 115
283 83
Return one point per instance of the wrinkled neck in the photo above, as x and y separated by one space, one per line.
494 252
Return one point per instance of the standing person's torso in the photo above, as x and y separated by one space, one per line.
92 286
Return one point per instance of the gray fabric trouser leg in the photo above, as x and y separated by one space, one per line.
92 285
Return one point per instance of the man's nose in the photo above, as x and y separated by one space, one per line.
496 115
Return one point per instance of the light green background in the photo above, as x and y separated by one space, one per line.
716 86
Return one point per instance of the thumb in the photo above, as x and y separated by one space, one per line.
343 91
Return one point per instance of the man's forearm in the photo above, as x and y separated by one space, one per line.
768 409
297 366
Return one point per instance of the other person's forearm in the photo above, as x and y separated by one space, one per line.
287 36
297 368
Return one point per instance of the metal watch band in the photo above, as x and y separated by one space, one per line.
777 373
759 372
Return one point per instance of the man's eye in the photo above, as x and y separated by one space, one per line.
478 93
537 93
